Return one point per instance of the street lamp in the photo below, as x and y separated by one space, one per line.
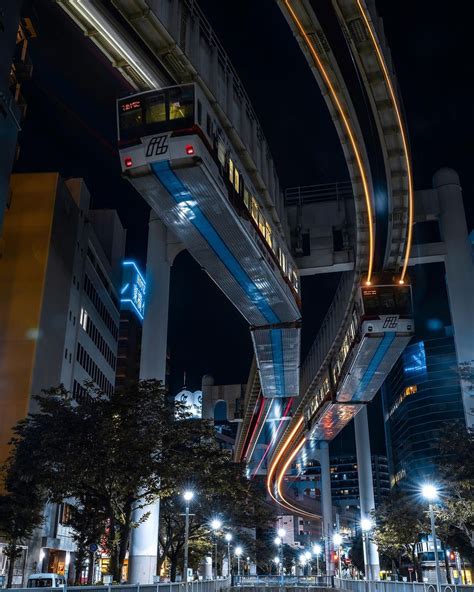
238 552
317 549
279 543
430 492
337 540
228 538
366 527
308 560
188 496
216 524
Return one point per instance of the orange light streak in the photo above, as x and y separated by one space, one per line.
348 131
404 139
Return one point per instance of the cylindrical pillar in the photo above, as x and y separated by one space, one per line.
144 538
366 488
459 272
326 504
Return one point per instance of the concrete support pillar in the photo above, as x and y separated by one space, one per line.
144 539
366 488
459 273
326 503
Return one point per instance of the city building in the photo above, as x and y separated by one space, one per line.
15 68
60 270
420 395
132 308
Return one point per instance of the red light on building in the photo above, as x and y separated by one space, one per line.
128 161
189 150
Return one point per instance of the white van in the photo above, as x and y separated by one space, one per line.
45 580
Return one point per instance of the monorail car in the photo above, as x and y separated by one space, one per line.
174 152
380 328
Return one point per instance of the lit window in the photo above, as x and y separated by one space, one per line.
237 181
254 209
83 319
247 198
221 152
410 390
231 171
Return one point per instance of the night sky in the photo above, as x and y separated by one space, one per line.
70 128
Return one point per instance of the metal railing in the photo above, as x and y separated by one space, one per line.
389 586
322 192
192 586
275 581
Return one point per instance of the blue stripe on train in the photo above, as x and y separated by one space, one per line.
374 364
181 194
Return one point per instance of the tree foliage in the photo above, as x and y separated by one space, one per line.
455 513
400 520
114 455
21 507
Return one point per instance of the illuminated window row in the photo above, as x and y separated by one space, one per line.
409 390
346 346
321 393
256 212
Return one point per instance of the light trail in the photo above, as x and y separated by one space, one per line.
403 134
349 132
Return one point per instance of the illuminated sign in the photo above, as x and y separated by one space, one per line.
131 105
414 359
132 294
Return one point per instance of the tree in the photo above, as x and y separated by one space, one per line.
400 521
109 454
220 486
20 513
455 513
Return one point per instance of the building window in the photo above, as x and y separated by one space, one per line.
83 319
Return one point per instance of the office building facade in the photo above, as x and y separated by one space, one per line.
420 395
59 315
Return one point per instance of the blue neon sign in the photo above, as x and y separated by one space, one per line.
132 294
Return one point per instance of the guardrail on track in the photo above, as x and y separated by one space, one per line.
284 582
192 586
389 586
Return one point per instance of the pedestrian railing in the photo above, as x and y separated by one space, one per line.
349 585
191 586
276 581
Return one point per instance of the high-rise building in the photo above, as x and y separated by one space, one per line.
59 314
420 395
15 68
132 307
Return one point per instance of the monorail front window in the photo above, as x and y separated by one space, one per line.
386 300
157 112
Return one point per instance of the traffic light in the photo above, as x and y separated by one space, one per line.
335 555
452 556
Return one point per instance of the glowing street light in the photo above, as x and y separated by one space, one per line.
188 496
216 525
238 552
281 532
317 550
431 493
277 541
228 538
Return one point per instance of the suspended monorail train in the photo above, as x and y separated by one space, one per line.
380 328
175 153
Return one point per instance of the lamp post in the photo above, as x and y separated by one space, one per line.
317 551
337 540
279 542
276 560
188 496
215 525
228 538
238 553
431 494
308 561
366 527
